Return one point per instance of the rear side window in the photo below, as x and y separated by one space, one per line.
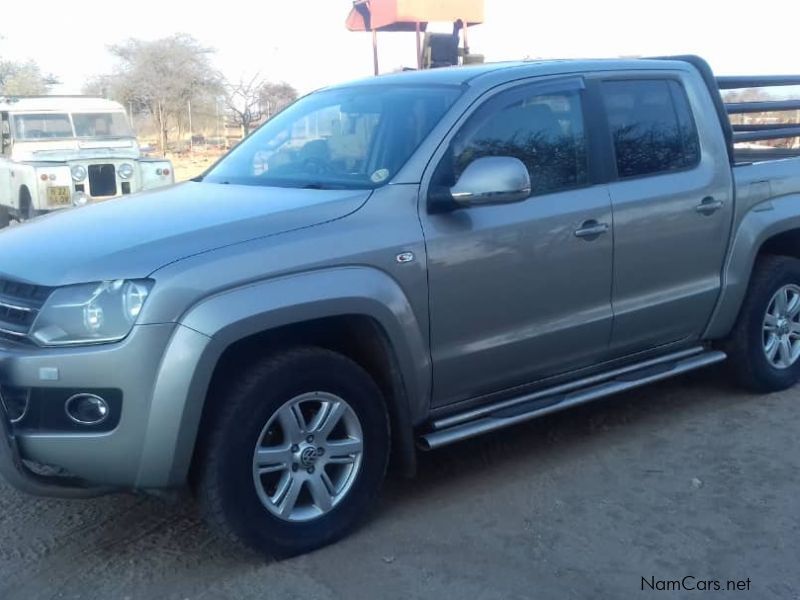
545 131
652 126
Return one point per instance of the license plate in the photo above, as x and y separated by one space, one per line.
58 195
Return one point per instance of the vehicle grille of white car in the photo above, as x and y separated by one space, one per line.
102 180
19 305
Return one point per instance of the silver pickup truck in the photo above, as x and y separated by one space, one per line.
391 266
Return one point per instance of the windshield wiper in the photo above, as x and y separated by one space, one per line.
317 185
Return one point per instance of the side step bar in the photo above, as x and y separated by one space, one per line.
537 404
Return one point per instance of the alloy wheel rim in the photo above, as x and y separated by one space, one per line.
781 327
308 456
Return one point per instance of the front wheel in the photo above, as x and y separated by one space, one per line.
297 454
26 210
764 346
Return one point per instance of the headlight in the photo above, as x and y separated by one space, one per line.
78 172
125 171
91 313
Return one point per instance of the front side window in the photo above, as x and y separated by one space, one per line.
343 138
652 126
5 133
42 126
545 131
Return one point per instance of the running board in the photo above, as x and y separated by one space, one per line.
537 404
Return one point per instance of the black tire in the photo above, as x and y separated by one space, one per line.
26 210
224 477
5 216
748 362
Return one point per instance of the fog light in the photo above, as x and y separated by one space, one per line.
16 401
79 198
86 409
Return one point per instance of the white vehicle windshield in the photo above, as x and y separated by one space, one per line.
48 126
356 137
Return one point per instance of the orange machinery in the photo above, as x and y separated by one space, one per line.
411 15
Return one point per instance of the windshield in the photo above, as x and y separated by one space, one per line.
356 137
42 126
110 124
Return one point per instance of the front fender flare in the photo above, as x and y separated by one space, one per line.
212 325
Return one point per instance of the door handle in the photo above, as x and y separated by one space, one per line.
709 205
591 229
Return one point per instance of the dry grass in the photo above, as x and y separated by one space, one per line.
188 165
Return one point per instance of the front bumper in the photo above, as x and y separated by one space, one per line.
15 472
153 368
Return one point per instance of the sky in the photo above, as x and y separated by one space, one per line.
305 43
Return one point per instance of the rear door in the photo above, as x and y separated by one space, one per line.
672 207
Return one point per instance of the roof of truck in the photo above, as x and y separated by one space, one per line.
494 72
17 104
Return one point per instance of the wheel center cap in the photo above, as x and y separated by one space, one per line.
308 456
783 326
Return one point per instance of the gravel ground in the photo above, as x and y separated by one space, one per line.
689 477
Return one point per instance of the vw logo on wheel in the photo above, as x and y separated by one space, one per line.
308 456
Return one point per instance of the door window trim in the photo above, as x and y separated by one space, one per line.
591 114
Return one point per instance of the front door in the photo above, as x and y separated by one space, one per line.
520 291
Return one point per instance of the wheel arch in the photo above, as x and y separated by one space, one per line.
772 227
359 312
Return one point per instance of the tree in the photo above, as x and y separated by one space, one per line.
243 101
24 79
249 101
276 96
101 86
161 77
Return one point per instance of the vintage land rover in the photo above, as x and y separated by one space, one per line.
63 151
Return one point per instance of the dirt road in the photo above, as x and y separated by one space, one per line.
687 478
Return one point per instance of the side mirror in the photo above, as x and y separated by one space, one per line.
492 180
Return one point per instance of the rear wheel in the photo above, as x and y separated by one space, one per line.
297 454
764 346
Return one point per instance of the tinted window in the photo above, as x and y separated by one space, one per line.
652 127
546 132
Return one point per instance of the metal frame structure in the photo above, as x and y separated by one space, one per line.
412 16
752 132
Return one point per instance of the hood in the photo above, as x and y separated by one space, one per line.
132 236
64 150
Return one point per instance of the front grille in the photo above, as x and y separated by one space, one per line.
102 180
19 305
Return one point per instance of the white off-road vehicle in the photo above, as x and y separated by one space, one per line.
63 151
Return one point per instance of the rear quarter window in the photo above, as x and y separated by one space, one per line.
651 125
